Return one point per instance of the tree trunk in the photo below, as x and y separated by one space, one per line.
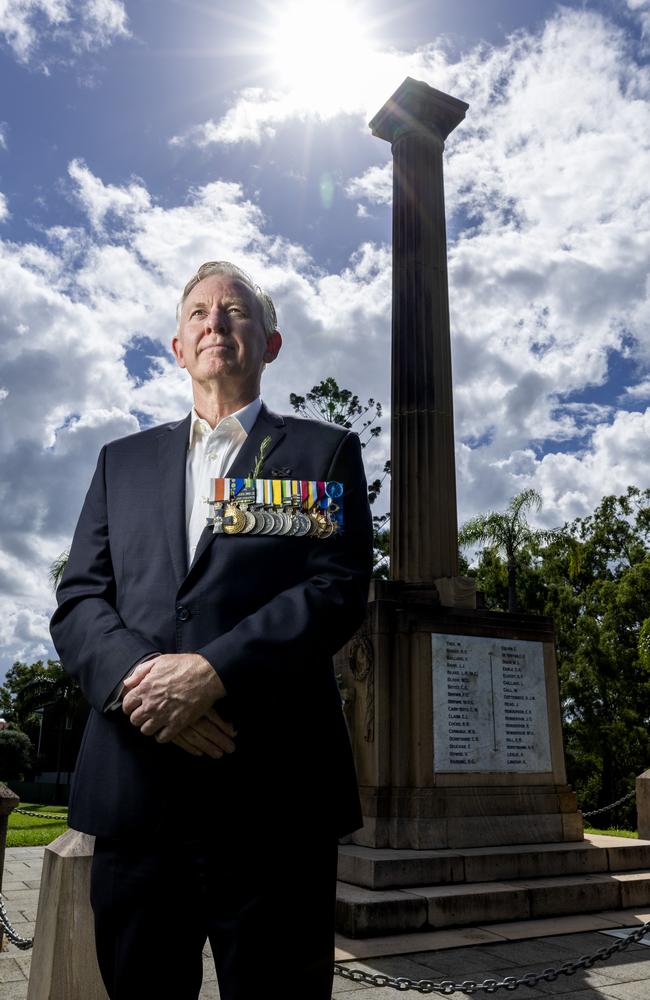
512 587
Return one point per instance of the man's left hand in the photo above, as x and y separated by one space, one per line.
175 691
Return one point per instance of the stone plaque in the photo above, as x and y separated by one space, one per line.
489 705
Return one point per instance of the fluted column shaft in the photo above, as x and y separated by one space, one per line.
424 529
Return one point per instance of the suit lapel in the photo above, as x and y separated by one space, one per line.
172 458
268 424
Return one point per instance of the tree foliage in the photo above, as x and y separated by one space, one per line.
593 577
508 532
16 755
327 401
29 687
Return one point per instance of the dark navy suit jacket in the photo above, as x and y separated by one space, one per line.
267 612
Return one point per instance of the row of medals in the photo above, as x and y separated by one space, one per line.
231 519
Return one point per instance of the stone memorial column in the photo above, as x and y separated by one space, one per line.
454 711
416 121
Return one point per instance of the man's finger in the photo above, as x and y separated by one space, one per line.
140 671
212 732
223 724
131 701
150 727
196 739
187 746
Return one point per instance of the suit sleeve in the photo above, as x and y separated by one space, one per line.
310 621
94 645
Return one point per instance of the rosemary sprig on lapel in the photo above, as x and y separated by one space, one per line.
259 461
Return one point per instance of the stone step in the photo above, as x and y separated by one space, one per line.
377 868
362 912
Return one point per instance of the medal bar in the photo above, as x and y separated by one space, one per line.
291 507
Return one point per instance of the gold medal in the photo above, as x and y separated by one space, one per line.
234 519
326 526
314 531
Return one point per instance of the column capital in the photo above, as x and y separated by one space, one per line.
415 106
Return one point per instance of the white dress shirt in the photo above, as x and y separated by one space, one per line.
210 453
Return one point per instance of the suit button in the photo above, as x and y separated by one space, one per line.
183 614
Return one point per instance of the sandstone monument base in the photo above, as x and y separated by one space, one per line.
455 722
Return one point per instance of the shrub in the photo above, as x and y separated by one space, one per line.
15 754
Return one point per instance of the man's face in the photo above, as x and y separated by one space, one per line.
221 333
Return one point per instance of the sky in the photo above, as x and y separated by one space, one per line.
141 138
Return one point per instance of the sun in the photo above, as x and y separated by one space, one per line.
320 49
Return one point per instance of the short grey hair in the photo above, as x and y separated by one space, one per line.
269 317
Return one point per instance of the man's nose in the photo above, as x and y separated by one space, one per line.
217 320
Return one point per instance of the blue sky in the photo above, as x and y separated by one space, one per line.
138 139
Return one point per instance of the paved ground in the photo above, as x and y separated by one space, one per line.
625 977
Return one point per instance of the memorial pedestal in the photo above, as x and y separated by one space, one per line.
455 721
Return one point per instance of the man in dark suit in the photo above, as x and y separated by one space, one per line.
216 769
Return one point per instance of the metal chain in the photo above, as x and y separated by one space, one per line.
60 816
469 986
15 938
612 805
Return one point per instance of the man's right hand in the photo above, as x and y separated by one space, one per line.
210 734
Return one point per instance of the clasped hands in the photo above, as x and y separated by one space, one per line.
171 696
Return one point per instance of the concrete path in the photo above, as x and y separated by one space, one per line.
472 953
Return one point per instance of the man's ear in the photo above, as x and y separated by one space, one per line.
273 345
178 351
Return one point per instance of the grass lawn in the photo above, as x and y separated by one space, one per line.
613 832
27 831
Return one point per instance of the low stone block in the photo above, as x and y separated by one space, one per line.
375 868
558 896
629 858
486 831
457 906
542 862
419 834
366 913
635 888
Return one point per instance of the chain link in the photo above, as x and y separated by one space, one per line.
59 816
612 805
469 986
14 937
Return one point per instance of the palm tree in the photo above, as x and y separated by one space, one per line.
508 532
57 568
54 687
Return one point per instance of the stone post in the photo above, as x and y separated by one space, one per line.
416 120
643 805
8 802
64 962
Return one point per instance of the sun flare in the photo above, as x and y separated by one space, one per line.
320 50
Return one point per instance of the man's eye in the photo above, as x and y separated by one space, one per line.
195 312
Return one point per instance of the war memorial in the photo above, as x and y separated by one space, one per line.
453 711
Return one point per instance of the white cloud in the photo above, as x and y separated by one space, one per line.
99 200
4 208
76 24
3 135
375 185
103 21
639 391
256 113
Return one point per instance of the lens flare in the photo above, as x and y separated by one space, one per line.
321 50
